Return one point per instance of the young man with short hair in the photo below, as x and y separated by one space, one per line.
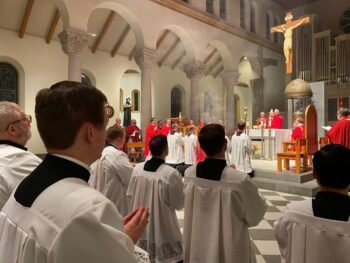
111 174
220 204
159 187
53 215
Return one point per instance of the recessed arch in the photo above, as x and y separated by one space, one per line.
90 76
129 17
224 53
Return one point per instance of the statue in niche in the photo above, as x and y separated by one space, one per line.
127 113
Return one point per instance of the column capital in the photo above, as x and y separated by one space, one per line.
230 78
146 57
194 70
74 41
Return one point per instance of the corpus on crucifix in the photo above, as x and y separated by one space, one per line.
287 30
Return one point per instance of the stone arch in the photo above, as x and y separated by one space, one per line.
185 38
21 78
224 53
129 17
62 8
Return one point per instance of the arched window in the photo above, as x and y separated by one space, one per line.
135 95
176 102
8 83
268 26
242 14
222 9
210 7
252 18
121 100
85 79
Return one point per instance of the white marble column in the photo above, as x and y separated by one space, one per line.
146 59
74 42
230 79
194 71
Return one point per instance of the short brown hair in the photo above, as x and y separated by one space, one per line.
241 125
114 133
63 108
212 138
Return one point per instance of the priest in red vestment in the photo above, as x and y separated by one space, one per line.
298 131
340 132
133 132
277 120
118 123
166 129
151 131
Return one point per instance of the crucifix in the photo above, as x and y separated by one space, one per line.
287 30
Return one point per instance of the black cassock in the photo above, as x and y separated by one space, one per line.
127 114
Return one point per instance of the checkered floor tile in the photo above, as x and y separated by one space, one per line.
266 248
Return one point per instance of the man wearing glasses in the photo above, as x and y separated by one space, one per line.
15 161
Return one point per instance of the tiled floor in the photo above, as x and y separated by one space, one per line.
266 247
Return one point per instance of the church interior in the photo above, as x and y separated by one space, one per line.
223 61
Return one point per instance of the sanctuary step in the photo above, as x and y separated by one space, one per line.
267 177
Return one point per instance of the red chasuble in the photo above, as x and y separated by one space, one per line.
133 132
165 130
151 131
277 122
298 132
340 132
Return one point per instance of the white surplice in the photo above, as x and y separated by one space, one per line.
304 238
110 175
190 149
175 143
162 192
69 222
240 152
228 151
15 165
217 217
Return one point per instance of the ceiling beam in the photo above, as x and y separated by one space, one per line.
218 71
177 61
103 32
132 53
25 19
53 27
217 61
120 41
162 38
171 49
210 56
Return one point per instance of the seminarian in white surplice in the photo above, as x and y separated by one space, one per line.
111 174
159 186
220 204
175 142
53 215
15 161
318 230
190 142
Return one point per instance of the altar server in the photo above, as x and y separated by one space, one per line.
175 144
220 204
15 161
151 131
111 174
159 186
241 150
190 142
53 215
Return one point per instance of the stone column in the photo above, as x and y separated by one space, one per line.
74 42
257 86
146 58
230 79
194 71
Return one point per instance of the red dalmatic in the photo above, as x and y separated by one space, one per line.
151 131
340 132
277 122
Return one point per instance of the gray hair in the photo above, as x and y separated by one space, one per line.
8 114
344 112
